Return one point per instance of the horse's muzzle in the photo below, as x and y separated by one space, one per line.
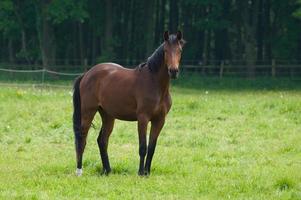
173 73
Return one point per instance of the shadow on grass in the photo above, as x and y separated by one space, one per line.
117 169
91 170
199 82
126 170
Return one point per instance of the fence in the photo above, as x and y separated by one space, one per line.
64 75
292 71
36 77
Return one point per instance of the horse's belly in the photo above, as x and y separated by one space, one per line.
127 117
122 114
121 108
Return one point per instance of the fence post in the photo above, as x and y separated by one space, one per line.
43 76
86 63
273 68
221 70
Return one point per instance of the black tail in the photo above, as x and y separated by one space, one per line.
77 107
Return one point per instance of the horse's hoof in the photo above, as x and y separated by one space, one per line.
141 173
106 172
79 172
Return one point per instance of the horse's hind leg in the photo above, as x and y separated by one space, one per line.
103 139
80 138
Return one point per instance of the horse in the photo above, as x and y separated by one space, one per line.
140 94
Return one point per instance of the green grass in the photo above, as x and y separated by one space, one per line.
223 139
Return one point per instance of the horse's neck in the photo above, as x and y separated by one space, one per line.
163 79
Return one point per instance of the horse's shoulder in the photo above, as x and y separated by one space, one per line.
165 104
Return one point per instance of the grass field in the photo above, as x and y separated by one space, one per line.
223 139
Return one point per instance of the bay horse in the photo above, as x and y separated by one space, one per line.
140 94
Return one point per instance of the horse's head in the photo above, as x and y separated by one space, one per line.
173 45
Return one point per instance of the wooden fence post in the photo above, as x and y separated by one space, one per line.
86 63
273 68
43 76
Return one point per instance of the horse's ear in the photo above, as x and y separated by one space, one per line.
166 36
179 35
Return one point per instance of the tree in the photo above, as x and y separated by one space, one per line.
9 27
71 32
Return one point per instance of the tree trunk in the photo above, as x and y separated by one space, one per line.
188 31
250 17
74 44
173 16
24 46
267 39
132 32
45 34
125 32
80 42
157 19
299 49
149 6
206 47
161 22
260 33
222 47
11 51
107 51
17 11
2 44
93 48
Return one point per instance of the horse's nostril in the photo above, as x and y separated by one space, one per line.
173 73
174 70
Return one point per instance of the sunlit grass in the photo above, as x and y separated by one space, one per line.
219 142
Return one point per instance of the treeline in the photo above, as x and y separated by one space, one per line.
73 32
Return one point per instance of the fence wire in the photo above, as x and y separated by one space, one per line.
64 79
36 78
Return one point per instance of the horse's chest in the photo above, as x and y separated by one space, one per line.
159 106
162 108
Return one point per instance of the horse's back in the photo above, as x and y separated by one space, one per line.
111 87
104 71
108 68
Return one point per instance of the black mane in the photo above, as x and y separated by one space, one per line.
155 60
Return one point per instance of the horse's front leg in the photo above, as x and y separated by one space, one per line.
142 130
156 128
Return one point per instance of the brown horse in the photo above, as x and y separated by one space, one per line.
140 94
